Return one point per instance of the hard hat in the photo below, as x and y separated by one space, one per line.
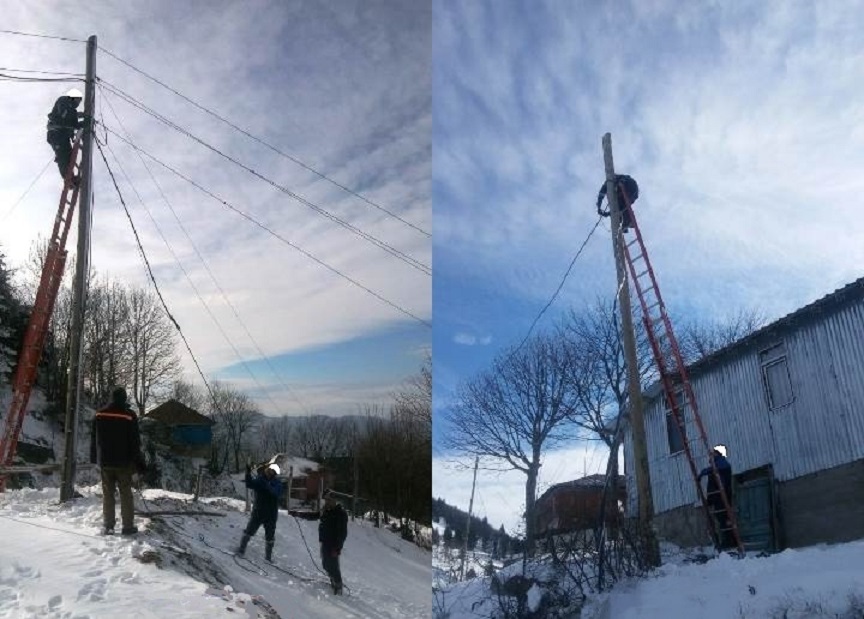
721 449
275 468
74 93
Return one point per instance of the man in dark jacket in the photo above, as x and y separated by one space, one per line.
116 447
63 120
627 192
332 531
715 500
268 490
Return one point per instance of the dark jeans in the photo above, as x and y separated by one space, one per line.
114 477
330 564
61 143
256 520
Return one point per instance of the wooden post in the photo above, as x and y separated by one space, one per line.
320 491
468 523
82 271
634 388
356 489
290 484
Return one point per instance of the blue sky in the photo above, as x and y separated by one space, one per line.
742 122
343 86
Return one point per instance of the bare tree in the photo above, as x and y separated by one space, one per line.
319 437
415 398
278 435
154 361
189 394
236 417
107 347
700 339
516 410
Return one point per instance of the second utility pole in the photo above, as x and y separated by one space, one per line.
82 269
634 387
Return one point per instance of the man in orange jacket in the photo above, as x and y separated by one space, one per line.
116 447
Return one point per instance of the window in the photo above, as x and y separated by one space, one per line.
775 377
673 432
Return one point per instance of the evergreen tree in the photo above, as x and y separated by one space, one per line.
12 322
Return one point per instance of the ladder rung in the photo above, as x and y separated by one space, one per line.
642 273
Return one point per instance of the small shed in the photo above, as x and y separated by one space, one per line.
186 431
575 505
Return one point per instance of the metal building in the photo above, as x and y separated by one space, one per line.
788 403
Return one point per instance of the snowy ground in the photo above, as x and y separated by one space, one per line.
54 564
809 583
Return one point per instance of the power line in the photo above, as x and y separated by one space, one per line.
268 145
150 272
189 278
26 191
270 231
424 268
560 286
41 36
68 73
18 78
204 262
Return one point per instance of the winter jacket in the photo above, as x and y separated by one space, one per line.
630 186
267 494
333 528
64 118
724 469
115 438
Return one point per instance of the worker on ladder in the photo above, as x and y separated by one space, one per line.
627 192
715 500
63 121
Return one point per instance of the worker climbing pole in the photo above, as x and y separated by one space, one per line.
667 355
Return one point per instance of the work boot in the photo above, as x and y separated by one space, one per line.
268 551
107 530
129 531
243 542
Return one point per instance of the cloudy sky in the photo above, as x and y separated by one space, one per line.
742 122
343 87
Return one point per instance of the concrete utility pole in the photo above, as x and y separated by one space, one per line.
468 523
82 264
637 422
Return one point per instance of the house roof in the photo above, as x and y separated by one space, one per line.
176 413
829 303
585 483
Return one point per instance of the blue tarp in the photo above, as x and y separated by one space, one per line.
192 435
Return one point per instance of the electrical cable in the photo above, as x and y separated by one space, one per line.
66 73
191 283
558 290
264 143
18 78
413 262
152 278
41 36
271 231
26 191
203 261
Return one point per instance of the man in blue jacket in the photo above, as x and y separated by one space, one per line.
715 500
268 490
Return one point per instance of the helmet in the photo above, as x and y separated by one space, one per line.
275 468
721 449
74 93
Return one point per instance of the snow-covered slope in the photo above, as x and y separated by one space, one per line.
54 563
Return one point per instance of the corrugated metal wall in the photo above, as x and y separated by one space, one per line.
822 428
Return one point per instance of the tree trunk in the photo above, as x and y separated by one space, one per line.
530 494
